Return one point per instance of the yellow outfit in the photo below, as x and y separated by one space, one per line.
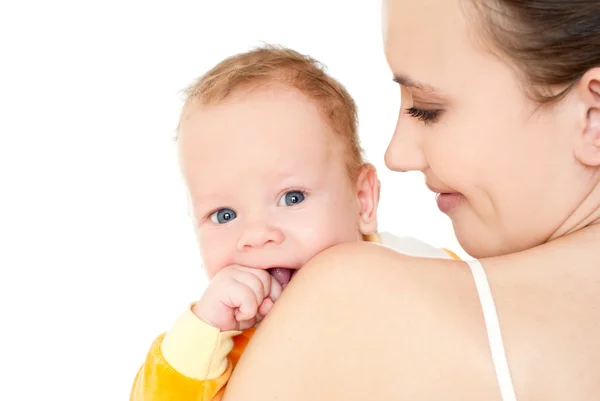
193 361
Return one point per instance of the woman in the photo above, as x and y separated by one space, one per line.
501 113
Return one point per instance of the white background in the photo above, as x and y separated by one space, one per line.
97 254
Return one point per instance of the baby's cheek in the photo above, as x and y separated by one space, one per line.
345 224
215 256
338 229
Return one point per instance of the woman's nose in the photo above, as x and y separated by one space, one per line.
404 152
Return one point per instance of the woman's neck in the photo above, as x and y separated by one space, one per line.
586 214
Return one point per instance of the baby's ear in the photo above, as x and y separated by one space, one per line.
587 149
367 193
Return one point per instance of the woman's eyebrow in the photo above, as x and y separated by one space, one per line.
407 82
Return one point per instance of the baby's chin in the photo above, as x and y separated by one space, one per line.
283 275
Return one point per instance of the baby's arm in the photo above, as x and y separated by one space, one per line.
187 363
191 361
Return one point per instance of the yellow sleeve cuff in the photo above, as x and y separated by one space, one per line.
196 349
373 237
452 254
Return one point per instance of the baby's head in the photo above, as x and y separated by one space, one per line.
270 155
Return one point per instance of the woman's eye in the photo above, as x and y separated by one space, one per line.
427 116
292 198
223 216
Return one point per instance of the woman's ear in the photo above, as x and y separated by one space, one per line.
587 149
368 189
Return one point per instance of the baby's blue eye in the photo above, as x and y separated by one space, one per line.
223 216
292 198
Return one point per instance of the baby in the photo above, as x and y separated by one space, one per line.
271 159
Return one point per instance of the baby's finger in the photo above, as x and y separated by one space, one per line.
252 280
275 290
265 307
244 299
246 324
263 277
259 318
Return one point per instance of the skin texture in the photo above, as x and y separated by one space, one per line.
526 202
507 161
248 157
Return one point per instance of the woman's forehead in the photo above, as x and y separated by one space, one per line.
429 40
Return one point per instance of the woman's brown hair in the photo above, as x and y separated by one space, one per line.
553 43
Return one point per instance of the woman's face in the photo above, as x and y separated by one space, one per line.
506 171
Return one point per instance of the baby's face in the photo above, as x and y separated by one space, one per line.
267 181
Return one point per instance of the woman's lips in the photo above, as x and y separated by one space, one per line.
448 201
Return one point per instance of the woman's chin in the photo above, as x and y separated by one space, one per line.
474 241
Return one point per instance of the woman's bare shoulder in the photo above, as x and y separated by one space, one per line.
359 314
361 321
356 258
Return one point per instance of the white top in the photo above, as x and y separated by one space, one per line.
492 325
412 246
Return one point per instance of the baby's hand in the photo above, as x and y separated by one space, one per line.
237 298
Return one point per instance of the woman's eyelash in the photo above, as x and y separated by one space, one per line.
427 116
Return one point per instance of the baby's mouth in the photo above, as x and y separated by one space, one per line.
283 275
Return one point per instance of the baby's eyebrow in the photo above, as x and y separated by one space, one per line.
206 203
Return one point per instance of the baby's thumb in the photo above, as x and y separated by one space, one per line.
265 307
276 290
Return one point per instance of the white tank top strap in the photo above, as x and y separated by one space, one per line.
493 331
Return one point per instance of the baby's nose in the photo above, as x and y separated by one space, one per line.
258 236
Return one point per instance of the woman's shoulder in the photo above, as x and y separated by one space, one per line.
389 256
370 277
361 313
363 321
